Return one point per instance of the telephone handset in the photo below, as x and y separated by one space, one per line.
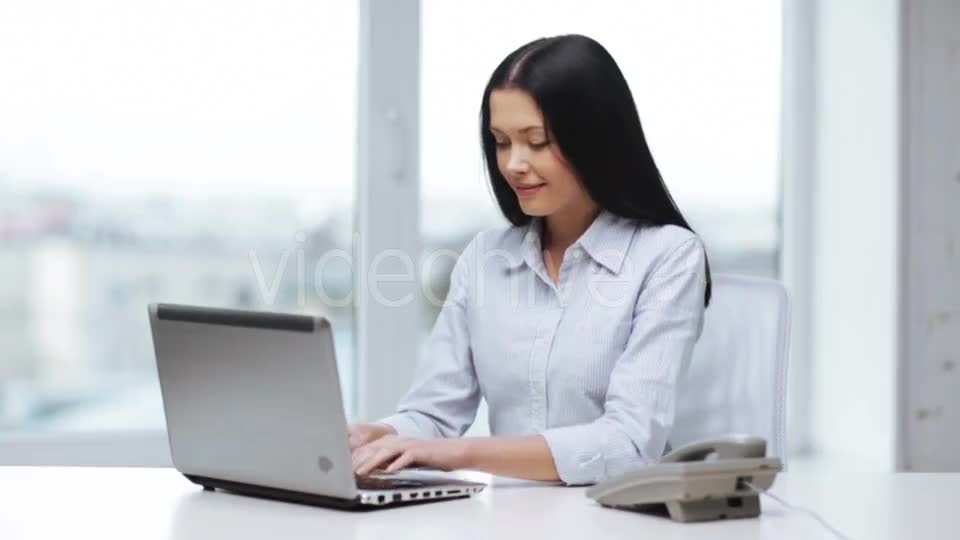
729 447
701 481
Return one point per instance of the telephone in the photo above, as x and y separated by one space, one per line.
702 481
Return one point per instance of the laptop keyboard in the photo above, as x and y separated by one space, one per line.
374 483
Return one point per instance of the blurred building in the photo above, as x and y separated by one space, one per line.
62 279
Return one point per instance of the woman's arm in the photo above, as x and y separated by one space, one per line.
638 411
443 398
526 457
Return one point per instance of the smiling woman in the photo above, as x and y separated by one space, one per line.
568 89
571 171
527 157
706 78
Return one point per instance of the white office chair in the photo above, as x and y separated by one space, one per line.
736 382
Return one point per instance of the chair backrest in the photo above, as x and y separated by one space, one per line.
736 382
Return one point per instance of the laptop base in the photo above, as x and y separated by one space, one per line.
311 499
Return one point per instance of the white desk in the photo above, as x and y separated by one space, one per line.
123 504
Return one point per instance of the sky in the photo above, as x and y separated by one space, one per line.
198 99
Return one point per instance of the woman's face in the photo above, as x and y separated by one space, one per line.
540 176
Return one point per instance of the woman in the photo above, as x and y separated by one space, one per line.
576 322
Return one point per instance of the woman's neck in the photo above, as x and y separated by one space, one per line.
563 228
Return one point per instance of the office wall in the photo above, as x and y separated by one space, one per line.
930 374
855 233
885 313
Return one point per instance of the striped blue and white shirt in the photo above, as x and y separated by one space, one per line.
590 362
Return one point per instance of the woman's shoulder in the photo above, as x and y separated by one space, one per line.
665 237
655 244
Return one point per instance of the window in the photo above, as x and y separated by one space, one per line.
157 151
196 152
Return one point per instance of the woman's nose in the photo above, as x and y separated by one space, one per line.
518 162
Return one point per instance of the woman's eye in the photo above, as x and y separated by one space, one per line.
501 144
539 145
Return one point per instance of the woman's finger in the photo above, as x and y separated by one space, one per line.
358 438
380 456
405 460
360 455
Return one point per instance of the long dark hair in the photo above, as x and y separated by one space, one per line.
589 113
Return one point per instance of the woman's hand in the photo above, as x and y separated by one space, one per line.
399 452
361 434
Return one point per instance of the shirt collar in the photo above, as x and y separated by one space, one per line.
606 241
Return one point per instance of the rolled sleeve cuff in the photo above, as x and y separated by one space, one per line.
577 453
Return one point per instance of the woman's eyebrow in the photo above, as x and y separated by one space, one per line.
528 128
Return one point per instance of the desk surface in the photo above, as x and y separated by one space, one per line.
105 504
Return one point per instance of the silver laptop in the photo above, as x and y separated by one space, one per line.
253 405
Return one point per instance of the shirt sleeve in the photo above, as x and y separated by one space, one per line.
445 394
639 407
